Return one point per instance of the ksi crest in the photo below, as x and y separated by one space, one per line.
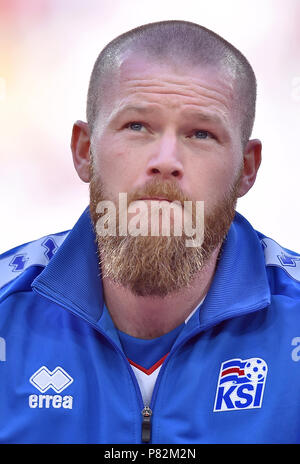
241 384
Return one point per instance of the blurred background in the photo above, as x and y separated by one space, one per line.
47 51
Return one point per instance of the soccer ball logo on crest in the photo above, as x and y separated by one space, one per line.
255 369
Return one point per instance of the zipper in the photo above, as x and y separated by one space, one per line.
147 412
146 424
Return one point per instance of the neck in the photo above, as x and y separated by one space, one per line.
149 317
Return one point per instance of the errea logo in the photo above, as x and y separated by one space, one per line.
58 380
44 379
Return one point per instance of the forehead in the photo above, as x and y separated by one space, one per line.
172 85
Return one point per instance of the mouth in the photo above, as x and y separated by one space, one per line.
154 199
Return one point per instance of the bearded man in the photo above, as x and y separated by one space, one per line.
116 334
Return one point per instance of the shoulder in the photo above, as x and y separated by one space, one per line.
21 264
283 267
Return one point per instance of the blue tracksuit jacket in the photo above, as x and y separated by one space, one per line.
232 376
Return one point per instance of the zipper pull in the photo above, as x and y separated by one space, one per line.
146 424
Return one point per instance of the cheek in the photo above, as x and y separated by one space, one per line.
116 165
212 183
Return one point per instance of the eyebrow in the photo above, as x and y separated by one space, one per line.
198 115
135 109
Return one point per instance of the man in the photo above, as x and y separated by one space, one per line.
136 337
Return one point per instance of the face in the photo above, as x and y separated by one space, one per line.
173 133
172 124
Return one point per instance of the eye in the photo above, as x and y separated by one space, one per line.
202 134
135 126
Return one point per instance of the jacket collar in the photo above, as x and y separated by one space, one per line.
72 277
240 285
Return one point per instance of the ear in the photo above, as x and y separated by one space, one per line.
252 160
80 146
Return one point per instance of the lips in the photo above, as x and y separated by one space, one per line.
155 199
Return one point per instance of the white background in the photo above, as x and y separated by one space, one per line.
48 48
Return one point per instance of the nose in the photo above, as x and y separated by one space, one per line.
166 161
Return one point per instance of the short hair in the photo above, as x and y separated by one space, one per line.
180 42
